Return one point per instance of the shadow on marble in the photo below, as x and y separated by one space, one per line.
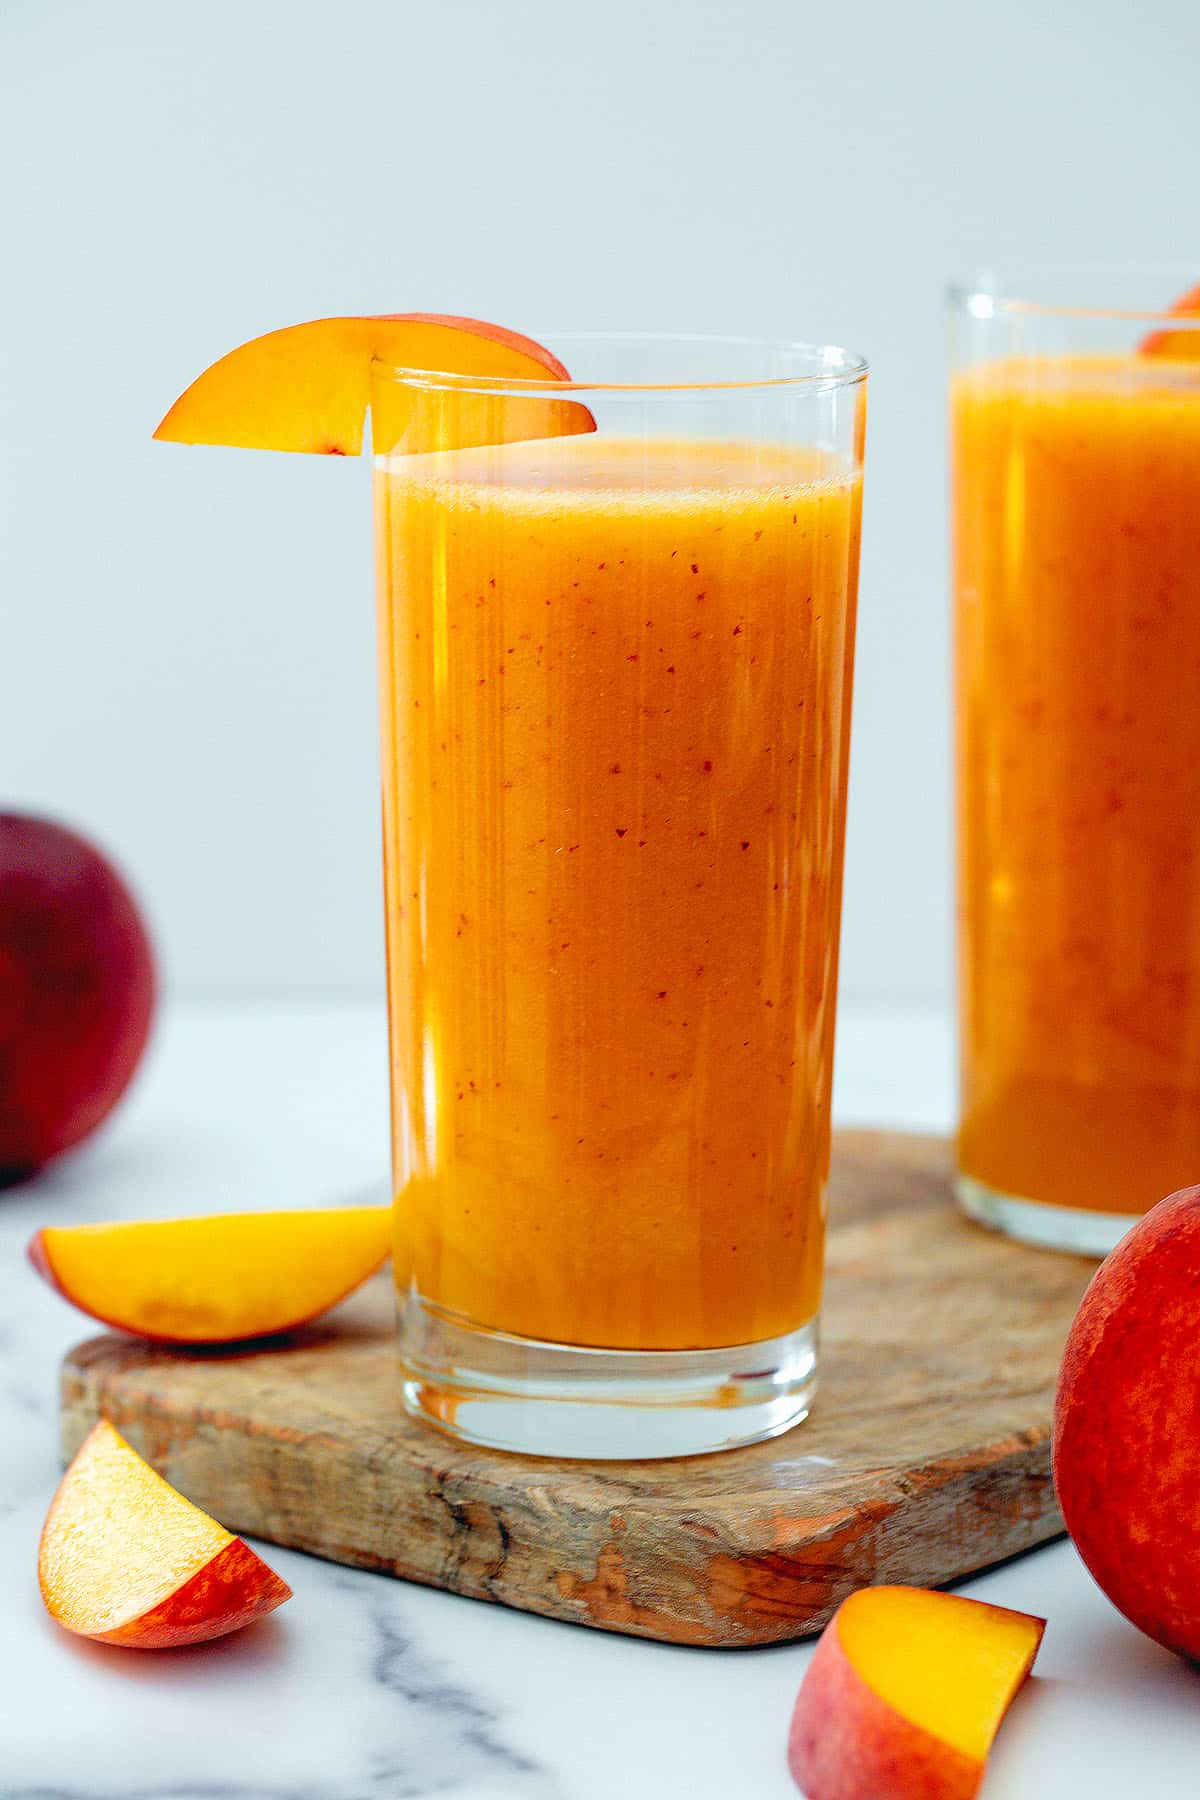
264 1645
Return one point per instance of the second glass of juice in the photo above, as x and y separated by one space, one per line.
616 678
1076 483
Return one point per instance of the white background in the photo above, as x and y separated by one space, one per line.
186 647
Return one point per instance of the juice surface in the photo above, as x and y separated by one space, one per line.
1077 568
616 699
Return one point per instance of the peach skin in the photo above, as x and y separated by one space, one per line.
307 388
126 1560
78 989
1127 1425
905 1693
217 1279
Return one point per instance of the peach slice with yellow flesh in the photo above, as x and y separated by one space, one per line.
125 1559
216 1279
905 1694
307 388
1177 346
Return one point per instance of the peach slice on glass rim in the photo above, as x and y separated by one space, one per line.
905 1694
308 387
1177 346
125 1559
214 1280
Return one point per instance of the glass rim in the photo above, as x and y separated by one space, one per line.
834 367
987 295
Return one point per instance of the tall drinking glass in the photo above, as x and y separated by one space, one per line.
616 675
1076 480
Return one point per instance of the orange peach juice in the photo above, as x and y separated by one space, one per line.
616 701
1077 567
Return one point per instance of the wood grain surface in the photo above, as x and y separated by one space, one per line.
926 1456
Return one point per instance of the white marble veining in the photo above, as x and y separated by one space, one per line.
364 1688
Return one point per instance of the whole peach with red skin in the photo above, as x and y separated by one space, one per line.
1127 1425
77 990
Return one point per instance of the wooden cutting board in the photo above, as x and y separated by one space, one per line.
926 1456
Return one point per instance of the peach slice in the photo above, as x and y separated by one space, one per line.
1177 346
213 1280
307 387
905 1694
127 1560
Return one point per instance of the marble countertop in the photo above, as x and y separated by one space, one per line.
364 1688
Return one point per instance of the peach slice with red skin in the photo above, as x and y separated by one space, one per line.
307 388
905 1693
125 1559
1177 346
216 1279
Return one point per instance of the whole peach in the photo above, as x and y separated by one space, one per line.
77 991
1127 1425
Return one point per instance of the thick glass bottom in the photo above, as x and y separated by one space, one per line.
539 1399
1033 1222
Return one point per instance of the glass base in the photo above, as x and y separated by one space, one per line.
540 1399
1033 1222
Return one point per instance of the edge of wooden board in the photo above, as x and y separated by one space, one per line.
721 1575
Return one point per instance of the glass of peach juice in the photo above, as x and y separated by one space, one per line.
616 680
1075 427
